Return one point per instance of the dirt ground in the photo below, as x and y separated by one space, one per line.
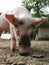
39 54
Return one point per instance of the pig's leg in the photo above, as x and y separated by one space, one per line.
13 40
0 32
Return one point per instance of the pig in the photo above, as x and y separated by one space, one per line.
20 24
4 25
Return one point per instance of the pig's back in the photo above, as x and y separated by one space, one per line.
3 22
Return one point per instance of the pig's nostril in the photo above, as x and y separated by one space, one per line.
24 53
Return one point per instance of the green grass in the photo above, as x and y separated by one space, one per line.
45 25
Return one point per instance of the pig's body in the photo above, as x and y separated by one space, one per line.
4 25
21 30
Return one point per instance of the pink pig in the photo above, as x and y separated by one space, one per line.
20 24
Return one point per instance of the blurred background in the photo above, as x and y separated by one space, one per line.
37 8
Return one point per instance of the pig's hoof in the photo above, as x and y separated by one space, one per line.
13 50
24 53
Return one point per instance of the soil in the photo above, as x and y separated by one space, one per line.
39 54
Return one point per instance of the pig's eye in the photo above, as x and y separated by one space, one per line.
21 23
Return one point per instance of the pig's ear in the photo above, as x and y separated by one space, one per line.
37 22
11 18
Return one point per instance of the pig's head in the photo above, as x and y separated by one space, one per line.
25 27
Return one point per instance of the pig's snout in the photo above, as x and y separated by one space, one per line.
24 45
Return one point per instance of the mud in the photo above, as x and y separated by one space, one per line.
39 54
